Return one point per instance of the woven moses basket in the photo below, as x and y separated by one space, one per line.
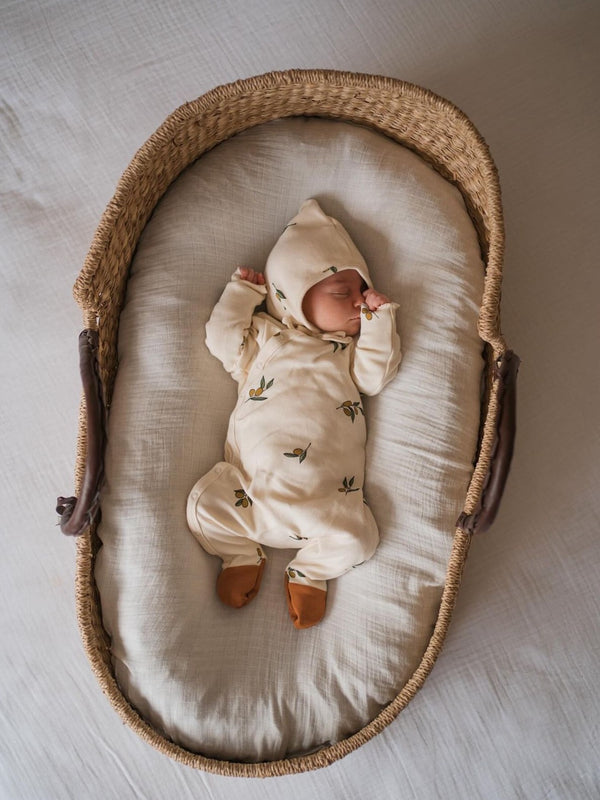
411 116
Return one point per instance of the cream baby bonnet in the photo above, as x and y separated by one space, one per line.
312 247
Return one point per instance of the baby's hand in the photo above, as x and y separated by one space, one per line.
247 274
374 299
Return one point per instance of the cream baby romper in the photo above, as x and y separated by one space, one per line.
295 450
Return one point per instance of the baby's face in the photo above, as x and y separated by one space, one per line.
334 303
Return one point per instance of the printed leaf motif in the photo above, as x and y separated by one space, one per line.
295 572
331 269
298 453
347 485
243 499
339 346
258 394
351 409
279 295
298 538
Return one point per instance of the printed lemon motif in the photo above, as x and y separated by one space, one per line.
261 555
243 499
293 573
347 485
298 453
259 393
368 314
351 409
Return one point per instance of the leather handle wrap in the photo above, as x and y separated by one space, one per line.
77 514
505 372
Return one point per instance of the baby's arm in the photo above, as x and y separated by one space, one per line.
377 352
229 329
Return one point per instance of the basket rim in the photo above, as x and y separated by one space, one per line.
87 600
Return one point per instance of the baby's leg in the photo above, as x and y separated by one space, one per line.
321 559
221 516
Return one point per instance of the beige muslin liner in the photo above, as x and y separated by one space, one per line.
406 114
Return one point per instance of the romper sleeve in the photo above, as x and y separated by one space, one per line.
377 352
230 335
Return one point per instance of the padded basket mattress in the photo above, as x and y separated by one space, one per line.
242 691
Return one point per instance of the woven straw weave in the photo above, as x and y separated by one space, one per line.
408 114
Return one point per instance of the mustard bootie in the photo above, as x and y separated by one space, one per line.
237 586
306 604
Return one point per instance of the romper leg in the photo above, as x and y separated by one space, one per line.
221 516
321 559
331 555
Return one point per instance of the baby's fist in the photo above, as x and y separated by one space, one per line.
374 299
247 274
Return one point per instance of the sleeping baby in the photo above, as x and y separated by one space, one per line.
295 449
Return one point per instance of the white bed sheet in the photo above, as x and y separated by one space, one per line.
511 709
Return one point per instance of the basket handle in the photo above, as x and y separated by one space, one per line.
77 514
505 372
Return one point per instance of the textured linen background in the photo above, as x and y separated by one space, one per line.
511 709
245 684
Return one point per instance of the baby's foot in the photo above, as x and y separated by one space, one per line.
236 586
306 604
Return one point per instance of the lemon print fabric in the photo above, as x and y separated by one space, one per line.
350 409
368 314
295 573
280 295
242 499
259 393
299 453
